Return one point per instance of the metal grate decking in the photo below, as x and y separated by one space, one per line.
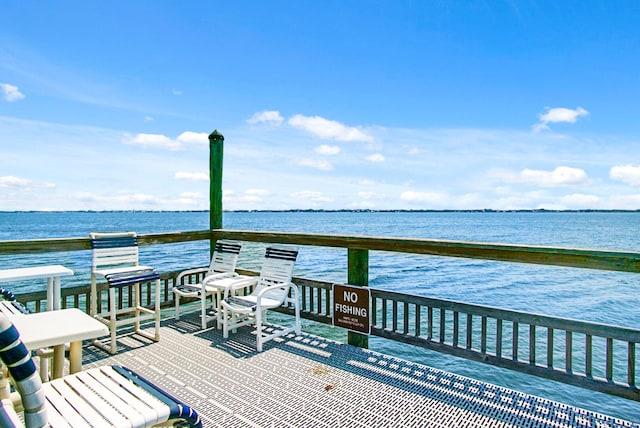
305 381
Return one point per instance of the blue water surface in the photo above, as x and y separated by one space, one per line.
607 297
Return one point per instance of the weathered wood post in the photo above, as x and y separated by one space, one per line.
216 141
358 274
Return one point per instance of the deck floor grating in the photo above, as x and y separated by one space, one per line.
305 380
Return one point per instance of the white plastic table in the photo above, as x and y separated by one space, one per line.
54 329
232 284
52 273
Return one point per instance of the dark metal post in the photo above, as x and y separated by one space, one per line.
216 141
358 274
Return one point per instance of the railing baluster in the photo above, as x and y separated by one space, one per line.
442 324
499 338
319 300
429 323
384 313
456 317
374 310
405 326
483 335
469 331
568 352
609 370
532 344
304 299
631 363
515 339
588 355
327 302
417 315
394 309
549 347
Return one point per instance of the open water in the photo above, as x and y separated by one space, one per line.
607 297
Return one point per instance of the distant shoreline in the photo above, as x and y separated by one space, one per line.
485 210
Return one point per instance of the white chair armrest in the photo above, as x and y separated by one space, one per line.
216 276
261 293
190 272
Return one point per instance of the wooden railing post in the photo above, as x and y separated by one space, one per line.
216 141
358 274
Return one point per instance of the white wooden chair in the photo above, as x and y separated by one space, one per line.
105 396
274 288
115 258
223 265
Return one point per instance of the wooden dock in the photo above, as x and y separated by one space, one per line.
308 381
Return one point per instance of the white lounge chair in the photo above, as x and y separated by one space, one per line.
104 396
223 265
115 258
274 288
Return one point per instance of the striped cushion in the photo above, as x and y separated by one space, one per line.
119 242
281 253
121 279
228 247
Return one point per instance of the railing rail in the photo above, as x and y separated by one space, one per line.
594 356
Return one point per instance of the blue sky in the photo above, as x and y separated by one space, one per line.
323 104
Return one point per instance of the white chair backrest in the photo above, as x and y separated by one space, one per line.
114 249
276 269
225 257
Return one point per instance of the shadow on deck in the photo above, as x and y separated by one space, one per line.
303 381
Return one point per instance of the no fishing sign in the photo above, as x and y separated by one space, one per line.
351 308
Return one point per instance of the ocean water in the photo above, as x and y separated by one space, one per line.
606 297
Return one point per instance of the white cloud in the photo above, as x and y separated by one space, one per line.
371 195
561 176
190 198
271 117
626 173
376 157
176 92
10 181
578 200
148 119
159 141
195 176
312 163
140 198
628 202
10 93
367 182
328 129
196 138
257 192
312 196
327 150
425 197
558 115
152 140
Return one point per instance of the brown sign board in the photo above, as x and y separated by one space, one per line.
351 308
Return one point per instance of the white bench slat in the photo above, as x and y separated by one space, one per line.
98 403
150 407
127 408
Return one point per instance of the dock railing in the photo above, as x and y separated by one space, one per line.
590 355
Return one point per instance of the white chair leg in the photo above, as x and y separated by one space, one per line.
225 323
176 298
157 310
259 315
203 308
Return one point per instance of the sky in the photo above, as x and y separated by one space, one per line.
332 104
